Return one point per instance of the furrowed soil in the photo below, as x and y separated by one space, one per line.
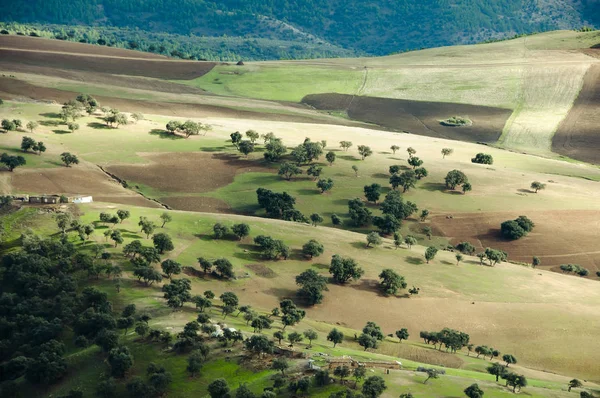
19 90
52 45
417 117
190 172
158 68
577 242
578 136
196 203
76 180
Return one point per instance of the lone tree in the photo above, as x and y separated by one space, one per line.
294 338
312 249
166 218
311 335
316 219
330 156
68 159
430 253
415 162
364 151
431 374
289 170
411 151
27 143
73 126
473 391
219 389
483 158
402 334
455 178
496 369
394 148
516 229
325 185
509 358
537 186
391 281
241 230
162 242
536 261
466 187
345 145
446 152
344 269
355 169
281 364
459 257
374 239
32 126
575 384
373 387
335 336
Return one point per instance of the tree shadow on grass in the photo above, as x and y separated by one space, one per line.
380 175
61 132
445 262
350 158
525 190
50 123
213 149
99 126
307 192
360 245
368 285
163 134
131 235
52 115
320 266
205 237
282 293
414 260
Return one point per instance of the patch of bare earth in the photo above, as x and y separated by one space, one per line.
578 136
158 68
417 117
261 270
191 172
196 203
559 237
43 44
80 180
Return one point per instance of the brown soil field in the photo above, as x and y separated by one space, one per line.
186 172
11 88
44 44
196 203
417 117
80 180
577 242
158 68
139 83
578 136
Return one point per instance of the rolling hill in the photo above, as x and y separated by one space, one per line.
516 93
370 27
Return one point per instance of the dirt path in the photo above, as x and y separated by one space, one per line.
578 136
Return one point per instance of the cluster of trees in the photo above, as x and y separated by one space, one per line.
239 231
393 207
187 128
516 229
272 249
279 205
11 125
483 158
41 298
12 162
28 143
574 268
451 339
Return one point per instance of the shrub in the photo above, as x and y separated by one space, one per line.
483 158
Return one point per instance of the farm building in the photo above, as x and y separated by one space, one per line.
53 199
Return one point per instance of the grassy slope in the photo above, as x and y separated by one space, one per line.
89 362
511 74
535 304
